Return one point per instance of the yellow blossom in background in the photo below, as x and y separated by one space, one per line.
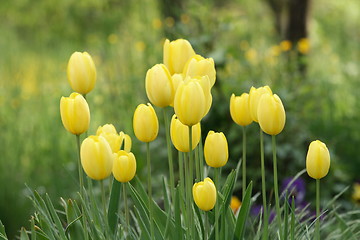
75 113
235 204
113 38
356 192
176 54
81 72
216 150
317 160
251 56
156 23
254 98
198 66
145 123
140 46
303 45
240 109
124 167
285 45
275 51
169 21
204 194
180 135
185 19
96 157
108 131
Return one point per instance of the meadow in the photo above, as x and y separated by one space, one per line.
125 41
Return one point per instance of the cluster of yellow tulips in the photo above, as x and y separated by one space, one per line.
183 81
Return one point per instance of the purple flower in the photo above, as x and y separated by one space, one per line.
294 188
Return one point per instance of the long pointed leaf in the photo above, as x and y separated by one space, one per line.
243 214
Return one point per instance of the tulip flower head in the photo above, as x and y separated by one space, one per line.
254 99
271 114
75 113
145 123
96 157
176 54
197 66
81 72
216 149
125 141
159 86
240 109
108 131
317 160
180 135
124 167
204 194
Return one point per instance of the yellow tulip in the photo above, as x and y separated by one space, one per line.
271 114
176 54
126 141
204 194
96 157
240 109
190 102
199 66
75 113
317 160
159 86
254 98
81 72
108 131
124 168
180 135
145 123
216 149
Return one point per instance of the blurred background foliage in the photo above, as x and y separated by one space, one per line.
316 75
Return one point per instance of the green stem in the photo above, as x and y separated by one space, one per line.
181 173
187 197
201 156
216 170
127 227
317 224
206 223
197 164
292 228
149 190
266 220
276 189
103 198
191 171
244 163
170 158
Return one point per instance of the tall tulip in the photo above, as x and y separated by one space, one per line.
240 109
145 123
180 135
176 54
200 66
75 113
254 98
216 149
159 86
204 194
124 166
96 157
81 72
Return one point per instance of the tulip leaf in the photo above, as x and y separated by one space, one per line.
73 220
114 205
2 231
55 217
179 230
23 234
143 226
243 214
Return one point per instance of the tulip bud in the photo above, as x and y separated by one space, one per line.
180 135
240 109
176 54
317 160
124 166
108 131
96 157
197 66
216 149
75 113
126 140
204 194
190 102
145 123
254 98
81 72
271 114
159 86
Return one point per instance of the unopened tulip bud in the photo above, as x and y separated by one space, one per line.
176 54
145 123
216 149
124 167
180 135
317 160
96 157
197 66
271 114
81 72
254 98
240 109
75 113
204 194
159 86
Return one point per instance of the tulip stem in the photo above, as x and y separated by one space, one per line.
317 224
191 171
244 163
266 220
149 190
201 158
206 223
170 158
126 210
181 173
276 190
187 197
216 173
103 198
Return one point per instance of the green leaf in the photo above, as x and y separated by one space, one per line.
292 224
243 214
113 207
178 228
2 231
23 234
55 217
33 232
73 219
